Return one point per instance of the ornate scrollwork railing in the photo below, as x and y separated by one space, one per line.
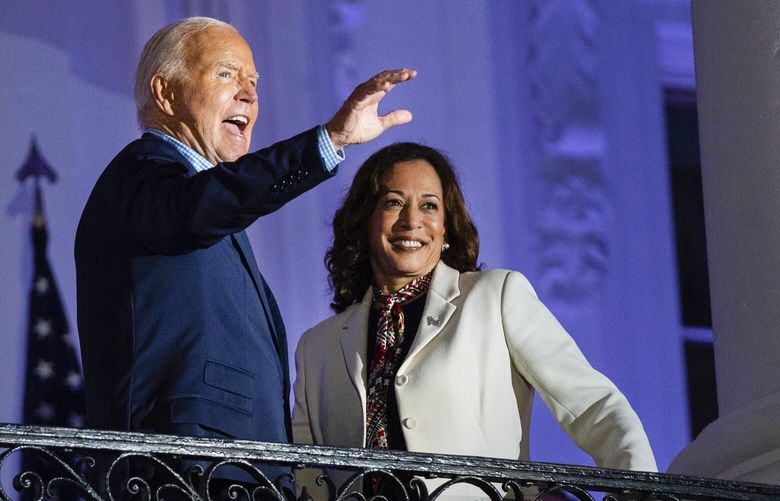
103 465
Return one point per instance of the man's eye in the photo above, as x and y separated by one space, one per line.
224 74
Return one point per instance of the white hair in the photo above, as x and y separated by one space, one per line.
165 54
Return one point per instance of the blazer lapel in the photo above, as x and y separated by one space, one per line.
244 248
241 243
354 345
274 319
438 310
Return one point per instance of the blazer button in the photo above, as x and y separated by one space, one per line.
409 423
401 379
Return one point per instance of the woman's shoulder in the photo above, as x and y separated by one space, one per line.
498 277
335 320
333 323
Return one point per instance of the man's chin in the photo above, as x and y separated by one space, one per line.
232 156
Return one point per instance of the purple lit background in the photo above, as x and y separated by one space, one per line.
551 109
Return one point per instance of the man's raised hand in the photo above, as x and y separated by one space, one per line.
358 120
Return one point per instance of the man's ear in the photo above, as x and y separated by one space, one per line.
162 93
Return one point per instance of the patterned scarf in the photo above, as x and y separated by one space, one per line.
389 337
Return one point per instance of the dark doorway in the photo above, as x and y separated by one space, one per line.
690 237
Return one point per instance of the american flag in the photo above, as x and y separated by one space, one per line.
53 393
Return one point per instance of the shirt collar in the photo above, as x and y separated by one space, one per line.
195 159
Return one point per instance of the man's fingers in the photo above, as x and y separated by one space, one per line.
380 83
385 80
357 121
396 76
396 117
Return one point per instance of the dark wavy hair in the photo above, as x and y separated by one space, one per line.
347 260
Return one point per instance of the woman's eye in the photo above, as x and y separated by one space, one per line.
393 202
430 206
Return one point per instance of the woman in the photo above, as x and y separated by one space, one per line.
428 354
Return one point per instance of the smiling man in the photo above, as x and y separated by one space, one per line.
179 331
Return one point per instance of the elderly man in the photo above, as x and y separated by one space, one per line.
179 331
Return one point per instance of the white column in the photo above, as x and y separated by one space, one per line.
737 53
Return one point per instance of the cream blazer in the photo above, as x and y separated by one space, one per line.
484 344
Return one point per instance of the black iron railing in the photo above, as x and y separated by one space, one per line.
97 465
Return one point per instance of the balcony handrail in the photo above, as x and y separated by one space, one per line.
16 438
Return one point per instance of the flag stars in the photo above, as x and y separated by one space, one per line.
76 421
73 380
42 328
44 369
41 285
45 411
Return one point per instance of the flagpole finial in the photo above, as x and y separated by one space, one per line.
35 165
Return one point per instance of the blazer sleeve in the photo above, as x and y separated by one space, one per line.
171 213
300 419
305 477
587 405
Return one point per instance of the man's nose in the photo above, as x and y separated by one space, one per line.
246 92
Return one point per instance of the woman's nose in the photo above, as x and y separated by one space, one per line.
410 217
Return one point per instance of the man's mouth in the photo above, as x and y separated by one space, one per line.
237 124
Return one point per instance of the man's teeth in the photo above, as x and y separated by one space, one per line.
238 119
407 243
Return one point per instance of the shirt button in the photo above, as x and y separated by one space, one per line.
409 423
401 380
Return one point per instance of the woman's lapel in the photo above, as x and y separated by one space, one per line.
438 310
354 346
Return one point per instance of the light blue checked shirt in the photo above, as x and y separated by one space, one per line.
330 156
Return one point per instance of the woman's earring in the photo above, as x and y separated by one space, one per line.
445 246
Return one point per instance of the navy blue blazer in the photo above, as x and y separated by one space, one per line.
179 331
